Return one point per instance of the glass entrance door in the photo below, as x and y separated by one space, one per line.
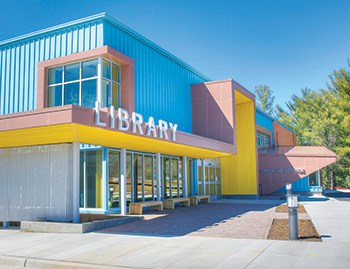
172 177
113 179
140 177
211 181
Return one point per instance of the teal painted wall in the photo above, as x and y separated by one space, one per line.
302 185
162 81
19 58
265 121
162 86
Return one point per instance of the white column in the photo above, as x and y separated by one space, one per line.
123 182
105 179
158 179
99 80
184 176
203 176
75 181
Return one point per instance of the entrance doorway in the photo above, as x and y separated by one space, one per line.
172 177
211 185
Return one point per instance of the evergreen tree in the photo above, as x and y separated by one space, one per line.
323 118
265 99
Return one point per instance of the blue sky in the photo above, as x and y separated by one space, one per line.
287 45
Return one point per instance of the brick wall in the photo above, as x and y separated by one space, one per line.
283 136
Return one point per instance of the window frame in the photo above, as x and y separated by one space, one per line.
98 77
263 139
317 179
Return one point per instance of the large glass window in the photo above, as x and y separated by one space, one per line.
314 179
141 183
113 179
129 192
71 94
263 140
110 84
78 84
149 179
55 95
172 177
91 179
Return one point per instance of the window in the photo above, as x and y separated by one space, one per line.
314 179
110 84
78 84
91 185
263 140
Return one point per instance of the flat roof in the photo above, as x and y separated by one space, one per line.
299 151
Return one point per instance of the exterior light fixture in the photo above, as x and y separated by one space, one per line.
292 203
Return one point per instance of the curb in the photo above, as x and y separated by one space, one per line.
75 228
35 263
12 262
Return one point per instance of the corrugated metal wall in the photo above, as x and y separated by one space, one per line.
18 61
162 86
302 185
162 83
42 188
265 122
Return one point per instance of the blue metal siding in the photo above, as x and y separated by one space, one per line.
162 82
302 185
265 122
18 61
162 85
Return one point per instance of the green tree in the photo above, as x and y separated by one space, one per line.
339 87
265 99
323 118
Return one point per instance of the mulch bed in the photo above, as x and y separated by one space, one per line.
284 209
280 230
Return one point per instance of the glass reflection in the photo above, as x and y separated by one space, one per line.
113 179
89 95
71 72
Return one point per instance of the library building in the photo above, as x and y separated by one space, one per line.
97 119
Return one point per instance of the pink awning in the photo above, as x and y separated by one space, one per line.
281 165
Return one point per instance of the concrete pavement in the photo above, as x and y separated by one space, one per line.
110 250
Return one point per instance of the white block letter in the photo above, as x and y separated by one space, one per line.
173 128
137 120
151 127
123 119
163 127
97 114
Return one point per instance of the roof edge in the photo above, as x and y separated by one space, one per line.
53 28
115 22
153 45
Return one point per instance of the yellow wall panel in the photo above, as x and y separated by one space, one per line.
239 172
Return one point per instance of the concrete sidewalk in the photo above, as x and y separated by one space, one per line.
109 250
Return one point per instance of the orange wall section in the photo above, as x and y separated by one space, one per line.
283 137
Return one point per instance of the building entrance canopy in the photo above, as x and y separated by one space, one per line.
67 124
281 165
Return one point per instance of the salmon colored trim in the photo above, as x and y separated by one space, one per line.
125 62
68 114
